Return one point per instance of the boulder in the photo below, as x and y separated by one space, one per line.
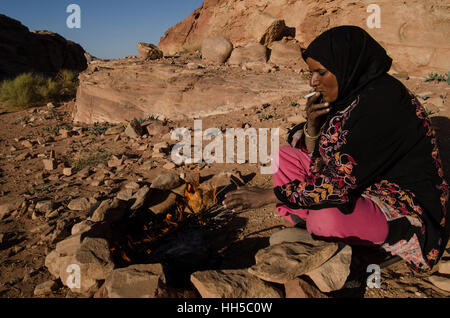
287 53
265 28
333 274
135 281
250 53
284 262
94 261
149 51
232 284
216 49
164 90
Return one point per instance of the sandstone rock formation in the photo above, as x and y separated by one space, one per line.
120 90
44 52
417 46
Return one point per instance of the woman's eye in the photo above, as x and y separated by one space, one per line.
322 73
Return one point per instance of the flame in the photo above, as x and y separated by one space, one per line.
124 256
196 200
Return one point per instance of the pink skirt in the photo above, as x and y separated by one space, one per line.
365 225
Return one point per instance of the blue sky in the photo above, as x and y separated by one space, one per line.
109 28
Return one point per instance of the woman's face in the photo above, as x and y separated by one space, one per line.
323 81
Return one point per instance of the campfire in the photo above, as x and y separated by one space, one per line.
149 238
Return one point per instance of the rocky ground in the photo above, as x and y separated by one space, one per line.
52 171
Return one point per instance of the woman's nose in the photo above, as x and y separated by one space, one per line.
314 81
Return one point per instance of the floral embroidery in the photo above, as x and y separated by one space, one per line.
410 251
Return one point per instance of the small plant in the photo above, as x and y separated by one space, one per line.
29 89
92 159
438 78
294 104
98 129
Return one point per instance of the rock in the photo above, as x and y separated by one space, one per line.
166 181
444 265
139 198
217 49
149 51
292 234
45 206
299 288
67 172
109 211
114 130
169 166
40 52
94 260
49 164
284 262
264 28
157 129
136 281
8 207
23 156
232 284
125 194
134 129
79 204
45 288
440 281
70 245
416 47
251 52
115 162
287 53
162 147
333 274
181 95
166 205
27 144
82 227
132 185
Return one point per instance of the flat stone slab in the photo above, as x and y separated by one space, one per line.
284 262
232 284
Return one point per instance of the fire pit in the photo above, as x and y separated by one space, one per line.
184 239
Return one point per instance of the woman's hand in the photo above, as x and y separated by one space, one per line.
315 114
248 198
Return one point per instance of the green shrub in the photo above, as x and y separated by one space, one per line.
28 89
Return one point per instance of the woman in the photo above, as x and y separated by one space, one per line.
365 166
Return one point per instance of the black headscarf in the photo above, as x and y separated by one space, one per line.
353 56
